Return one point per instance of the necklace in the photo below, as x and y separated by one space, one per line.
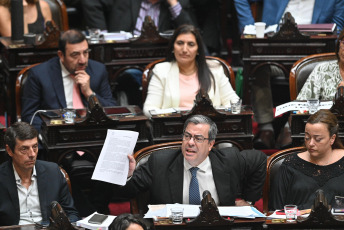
189 73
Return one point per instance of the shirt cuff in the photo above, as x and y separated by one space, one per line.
175 10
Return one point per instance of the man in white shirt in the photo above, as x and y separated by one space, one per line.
27 185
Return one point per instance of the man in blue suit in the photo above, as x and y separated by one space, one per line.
50 84
27 185
304 12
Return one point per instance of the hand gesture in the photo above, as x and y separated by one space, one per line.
83 80
132 165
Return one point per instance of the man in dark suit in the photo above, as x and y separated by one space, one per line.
225 173
28 186
123 14
50 84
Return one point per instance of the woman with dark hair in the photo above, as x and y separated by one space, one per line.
36 13
176 82
321 166
326 77
128 221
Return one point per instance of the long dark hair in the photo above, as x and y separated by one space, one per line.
330 120
205 77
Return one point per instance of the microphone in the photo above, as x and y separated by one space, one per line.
33 116
206 193
17 21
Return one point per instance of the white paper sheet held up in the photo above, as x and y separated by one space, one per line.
113 164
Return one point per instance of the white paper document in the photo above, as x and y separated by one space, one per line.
282 216
113 163
104 226
300 105
251 29
192 211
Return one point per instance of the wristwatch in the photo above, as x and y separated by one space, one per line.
92 95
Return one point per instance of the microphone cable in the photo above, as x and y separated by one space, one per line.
33 116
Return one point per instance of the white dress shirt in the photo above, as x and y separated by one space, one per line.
68 86
205 180
301 10
29 205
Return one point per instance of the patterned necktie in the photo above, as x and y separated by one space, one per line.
194 197
77 102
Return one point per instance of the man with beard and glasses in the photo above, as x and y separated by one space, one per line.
66 81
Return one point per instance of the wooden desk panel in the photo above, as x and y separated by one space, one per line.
60 139
256 223
235 127
279 52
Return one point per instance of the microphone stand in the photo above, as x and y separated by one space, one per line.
209 214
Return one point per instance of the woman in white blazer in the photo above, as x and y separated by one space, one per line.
175 83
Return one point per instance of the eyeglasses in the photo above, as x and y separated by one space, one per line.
197 138
76 55
26 149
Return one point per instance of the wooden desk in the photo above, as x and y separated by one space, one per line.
256 223
116 56
295 225
235 127
26 227
61 139
279 52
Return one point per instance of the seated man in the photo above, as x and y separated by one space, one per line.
27 185
66 81
181 176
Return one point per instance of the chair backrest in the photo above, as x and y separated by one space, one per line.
138 205
20 82
272 167
59 14
303 68
147 73
65 174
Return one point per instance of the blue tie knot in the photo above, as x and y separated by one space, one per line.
194 171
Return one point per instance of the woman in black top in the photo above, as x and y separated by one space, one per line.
321 166
36 13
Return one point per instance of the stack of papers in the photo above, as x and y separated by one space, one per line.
300 105
278 214
104 226
117 36
192 211
251 29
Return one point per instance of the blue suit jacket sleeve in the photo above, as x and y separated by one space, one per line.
100 83
244 13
